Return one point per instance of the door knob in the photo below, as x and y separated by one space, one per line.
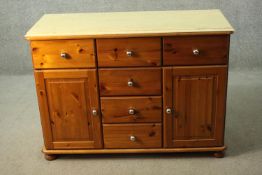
132 138
196 52
129 53
168 110
131 111
64 55
130 83
94 112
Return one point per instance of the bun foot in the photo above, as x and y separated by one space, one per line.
50 157
219 154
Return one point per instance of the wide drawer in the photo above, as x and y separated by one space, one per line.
132 135
63 54
195 50
131 109
128 52
130 81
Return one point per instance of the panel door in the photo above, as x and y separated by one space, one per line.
196 96
67 100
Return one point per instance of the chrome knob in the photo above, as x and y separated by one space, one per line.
94 112
64 55
129 53
132 138
168 111
130 83
131 111
196 52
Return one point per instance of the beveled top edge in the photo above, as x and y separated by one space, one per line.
129 24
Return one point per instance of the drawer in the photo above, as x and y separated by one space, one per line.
131 109
63 54
195 50
129 52
132 135
130 81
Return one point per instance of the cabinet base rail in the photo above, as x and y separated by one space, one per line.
126 151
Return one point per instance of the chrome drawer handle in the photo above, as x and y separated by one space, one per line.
131 111
132 138
129 53
130 83
64 55
196 52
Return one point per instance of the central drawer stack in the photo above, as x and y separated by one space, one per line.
130 92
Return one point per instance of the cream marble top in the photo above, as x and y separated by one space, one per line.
131 24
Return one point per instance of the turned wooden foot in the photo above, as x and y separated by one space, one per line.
219 154
50 157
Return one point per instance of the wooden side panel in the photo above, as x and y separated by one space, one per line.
199 106
47 54
145 52
146 81
179 50
70 102
146 109
43 109
146 135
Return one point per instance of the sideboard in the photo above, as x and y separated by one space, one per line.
131 82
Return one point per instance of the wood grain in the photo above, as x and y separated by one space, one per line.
80 54
147 109
118 135
179 50
67 116
145 52
198 98
147 81
73 144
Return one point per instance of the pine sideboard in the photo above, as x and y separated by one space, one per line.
131 82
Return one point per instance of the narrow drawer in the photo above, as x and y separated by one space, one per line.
63 54
132 81
131 109
195 50
129 52
132 135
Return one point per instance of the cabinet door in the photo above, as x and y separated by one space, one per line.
196 96
67 99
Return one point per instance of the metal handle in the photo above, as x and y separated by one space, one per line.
129 53
131 111
130 83
64 55
94 112
196 52
168 110
132 138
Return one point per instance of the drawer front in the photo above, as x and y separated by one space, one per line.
63 54
129 52
131 109
132 135
132 81
195 50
